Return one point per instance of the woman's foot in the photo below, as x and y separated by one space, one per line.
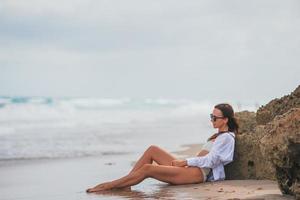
104 187
128 188
100 187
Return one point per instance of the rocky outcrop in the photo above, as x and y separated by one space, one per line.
268 144
276 107
281 146
249 162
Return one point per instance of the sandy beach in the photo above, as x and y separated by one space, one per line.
68 179
86 87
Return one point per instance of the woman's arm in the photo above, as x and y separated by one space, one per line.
221 152
179 163
183 163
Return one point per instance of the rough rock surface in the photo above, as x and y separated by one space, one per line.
268 144
249 162
278 107
281 145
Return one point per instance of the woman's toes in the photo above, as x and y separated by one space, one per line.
91 190
88 190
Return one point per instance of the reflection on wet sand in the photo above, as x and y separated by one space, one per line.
163 191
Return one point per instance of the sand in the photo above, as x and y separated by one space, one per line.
231 189
68 179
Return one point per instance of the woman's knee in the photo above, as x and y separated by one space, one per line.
153 148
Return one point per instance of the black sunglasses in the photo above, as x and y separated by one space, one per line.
214 118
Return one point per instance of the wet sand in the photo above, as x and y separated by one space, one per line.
225 190
68 179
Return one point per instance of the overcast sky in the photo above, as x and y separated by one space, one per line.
236 50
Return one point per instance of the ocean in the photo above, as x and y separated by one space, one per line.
49 128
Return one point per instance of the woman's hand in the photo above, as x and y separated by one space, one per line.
202 153
179 163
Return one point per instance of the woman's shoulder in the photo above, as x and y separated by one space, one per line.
227 135
225 140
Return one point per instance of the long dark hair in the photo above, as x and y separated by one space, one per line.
232 124
228 112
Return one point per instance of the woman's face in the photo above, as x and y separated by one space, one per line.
219 121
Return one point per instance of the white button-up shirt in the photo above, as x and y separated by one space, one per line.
221 154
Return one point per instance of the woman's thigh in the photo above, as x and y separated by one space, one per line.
174 175
161 156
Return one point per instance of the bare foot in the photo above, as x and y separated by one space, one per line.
100 187
105 187
128 188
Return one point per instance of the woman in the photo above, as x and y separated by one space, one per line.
209 163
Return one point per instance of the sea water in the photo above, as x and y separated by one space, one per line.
39 128
49 128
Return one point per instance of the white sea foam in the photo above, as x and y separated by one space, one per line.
67 127
93 103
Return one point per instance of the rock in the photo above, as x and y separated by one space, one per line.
281 146
268 144
247 121
249 162
278 107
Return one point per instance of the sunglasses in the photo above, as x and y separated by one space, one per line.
214 118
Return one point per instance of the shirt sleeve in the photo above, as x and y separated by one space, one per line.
221 153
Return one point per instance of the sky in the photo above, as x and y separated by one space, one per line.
246 51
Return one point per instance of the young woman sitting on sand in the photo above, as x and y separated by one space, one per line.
207 166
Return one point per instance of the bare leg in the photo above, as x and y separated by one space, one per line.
168 174
154 153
